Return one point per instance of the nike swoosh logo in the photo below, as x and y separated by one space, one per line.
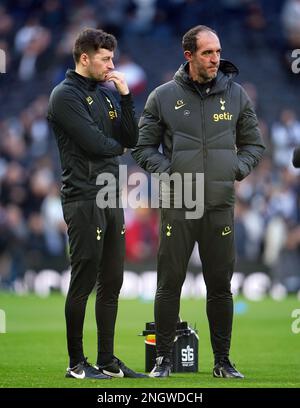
226 233
219 375
80 376
120 374
178 107
154 375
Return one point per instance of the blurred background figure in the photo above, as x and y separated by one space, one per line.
135 74
285 135
142 236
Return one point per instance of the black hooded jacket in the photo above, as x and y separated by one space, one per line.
91 129
214 132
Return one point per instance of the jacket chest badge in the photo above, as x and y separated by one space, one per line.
224 115
89 100
179 104
222 104
112 112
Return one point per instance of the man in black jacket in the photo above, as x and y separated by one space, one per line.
92 129
206 126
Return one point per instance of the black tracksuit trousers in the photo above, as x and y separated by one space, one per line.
214 233
97 249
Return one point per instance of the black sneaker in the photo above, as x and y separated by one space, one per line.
85 370
162 368
116 368
224 369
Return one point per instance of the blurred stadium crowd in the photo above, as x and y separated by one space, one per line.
37 37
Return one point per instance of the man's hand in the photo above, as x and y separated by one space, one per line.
118 78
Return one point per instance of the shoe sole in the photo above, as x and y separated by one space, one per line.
119 375
152 375
87 378
215 375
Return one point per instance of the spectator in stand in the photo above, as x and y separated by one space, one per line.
285 136
134 74
290 19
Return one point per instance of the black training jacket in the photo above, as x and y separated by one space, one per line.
92 129
215 132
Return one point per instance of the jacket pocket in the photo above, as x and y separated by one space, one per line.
109 165
222 165
187 154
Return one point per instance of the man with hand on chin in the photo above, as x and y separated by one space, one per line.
92 129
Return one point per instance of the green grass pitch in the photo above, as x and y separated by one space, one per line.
33 349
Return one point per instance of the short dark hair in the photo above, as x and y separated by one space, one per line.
189 40
90 40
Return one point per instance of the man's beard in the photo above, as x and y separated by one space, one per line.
204 77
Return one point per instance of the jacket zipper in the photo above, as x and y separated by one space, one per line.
101 106
203 129
204 135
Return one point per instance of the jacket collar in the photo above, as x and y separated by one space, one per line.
88 83
227 71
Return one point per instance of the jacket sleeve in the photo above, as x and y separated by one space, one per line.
129 127
249 143
67 111
151 130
